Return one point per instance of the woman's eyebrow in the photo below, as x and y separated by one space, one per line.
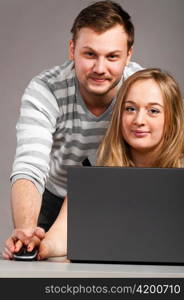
155 103
129 101
149 103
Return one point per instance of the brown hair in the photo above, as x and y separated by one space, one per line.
114 151
102 16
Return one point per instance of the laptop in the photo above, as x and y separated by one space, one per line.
126 215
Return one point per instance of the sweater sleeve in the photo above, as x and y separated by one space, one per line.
35 128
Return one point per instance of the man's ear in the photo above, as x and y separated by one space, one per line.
130 52
71 49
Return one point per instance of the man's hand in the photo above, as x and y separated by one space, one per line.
19 237
26 204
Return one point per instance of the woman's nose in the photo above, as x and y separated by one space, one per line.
139 118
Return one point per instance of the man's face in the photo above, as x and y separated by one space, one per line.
100 59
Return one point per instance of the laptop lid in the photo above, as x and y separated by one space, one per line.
133 215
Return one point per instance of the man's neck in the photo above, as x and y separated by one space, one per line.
97 104
97 108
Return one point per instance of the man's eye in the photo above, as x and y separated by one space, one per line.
113 57
130 108
89 54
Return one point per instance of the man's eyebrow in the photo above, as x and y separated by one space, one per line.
87 47
110 52
115 51
149 103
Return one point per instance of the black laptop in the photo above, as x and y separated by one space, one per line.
126 215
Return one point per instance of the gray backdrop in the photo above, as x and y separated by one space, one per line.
34 36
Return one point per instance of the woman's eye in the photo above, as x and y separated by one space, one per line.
154 111
130 108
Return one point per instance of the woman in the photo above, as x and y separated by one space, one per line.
147 126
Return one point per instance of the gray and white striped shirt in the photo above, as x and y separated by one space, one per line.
55 129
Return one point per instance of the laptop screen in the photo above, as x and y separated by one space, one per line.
120 214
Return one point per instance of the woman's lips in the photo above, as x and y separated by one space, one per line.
140 133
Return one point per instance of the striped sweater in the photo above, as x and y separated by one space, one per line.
55 129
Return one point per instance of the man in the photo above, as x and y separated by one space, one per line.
64 114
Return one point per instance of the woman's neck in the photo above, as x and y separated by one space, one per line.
142 159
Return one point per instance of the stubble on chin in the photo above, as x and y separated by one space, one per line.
113 87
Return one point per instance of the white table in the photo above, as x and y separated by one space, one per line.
60 268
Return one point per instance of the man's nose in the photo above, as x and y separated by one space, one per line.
99 66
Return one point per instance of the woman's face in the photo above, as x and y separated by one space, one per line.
143 116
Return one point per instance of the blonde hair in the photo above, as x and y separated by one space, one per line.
114 151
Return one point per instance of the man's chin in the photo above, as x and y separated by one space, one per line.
100 91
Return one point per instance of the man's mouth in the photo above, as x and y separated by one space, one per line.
99 79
